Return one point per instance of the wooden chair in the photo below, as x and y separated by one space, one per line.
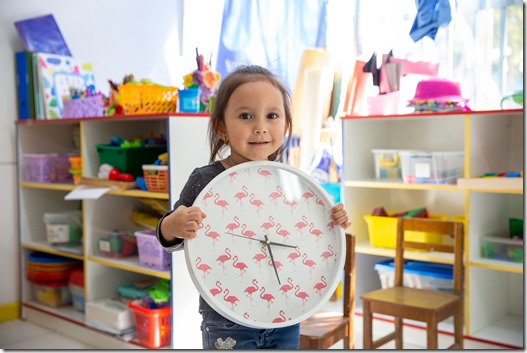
429 306
324 329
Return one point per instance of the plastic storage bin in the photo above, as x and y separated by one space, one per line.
387 164
188 100
64 228
118 244
49 268
418 274
129 159
432 167
111 313
151 253
501 248
47 168
156 177
382 231
152 325
76 286
51 293
83 107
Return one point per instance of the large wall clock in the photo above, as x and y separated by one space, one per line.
268 254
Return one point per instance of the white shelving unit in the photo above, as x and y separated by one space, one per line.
493 142
187 147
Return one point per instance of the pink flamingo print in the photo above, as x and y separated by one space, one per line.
268 225
319 201
276 194
248 233
282 232
331 226
232 176
204 268
260 256
320 285
327 254
258 203
267 297
212 234
309 263
224 258
306 196
292 256
301 295
230 298
300 225
277 263
281 318
232 226
216 290
291 203
222 203
241 195
265 173
207 196
251 289
316 232
286 288
239 265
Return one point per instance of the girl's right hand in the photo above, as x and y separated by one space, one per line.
182 223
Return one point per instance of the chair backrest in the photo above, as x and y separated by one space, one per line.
453 229
349 280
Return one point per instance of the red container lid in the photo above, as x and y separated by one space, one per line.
76 277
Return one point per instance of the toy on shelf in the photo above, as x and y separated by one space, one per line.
106 171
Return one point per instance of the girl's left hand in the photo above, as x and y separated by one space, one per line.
340 216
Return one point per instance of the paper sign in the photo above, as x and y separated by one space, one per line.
84 192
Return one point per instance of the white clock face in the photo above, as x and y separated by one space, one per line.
268 254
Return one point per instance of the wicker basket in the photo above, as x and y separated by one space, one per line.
143 98
156 177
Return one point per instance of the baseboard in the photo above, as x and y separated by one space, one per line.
9 311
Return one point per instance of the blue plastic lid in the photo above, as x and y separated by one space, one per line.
423 268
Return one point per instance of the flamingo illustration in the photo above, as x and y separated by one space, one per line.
222 203
224 258
309 263
216 290
248 233
319 201
208 195
316 232
267 297
286 288
230 298
241 195
232 176
307 196
291 203
327 254
276 194
202 267
232 226
258 203
251 289
277 263
265 173
282 232
239 265
292 256
301 295
320 285
260 256
331 226
281 318
212 234
301 225
268 225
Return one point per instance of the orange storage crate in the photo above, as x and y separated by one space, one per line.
156 177
153 326
143 98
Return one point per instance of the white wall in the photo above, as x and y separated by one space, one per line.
117 37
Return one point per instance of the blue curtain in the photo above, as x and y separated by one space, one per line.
270 33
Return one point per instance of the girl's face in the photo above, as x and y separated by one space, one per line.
255 121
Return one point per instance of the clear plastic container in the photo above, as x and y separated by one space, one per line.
432 167
64 228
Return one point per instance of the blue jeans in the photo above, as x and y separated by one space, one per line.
220 333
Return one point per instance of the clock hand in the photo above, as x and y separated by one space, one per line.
272 258
263 241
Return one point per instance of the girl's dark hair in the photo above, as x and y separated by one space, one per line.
241 75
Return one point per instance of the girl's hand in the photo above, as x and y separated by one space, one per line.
182 223
339 216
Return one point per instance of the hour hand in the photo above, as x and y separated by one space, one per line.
266 242
272 258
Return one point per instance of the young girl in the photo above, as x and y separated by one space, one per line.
252 116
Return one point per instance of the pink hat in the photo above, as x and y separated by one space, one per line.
438 89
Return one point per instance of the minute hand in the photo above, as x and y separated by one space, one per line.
263 241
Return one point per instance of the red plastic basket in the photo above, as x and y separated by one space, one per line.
153 326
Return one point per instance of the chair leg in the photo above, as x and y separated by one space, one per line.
398 332
458 329
367 328
431 333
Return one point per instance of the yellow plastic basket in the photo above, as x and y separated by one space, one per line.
146 98
382 231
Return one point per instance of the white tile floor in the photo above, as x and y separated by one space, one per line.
23 335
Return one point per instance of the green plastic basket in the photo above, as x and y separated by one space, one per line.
129 159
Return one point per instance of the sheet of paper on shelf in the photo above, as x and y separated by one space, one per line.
84 192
